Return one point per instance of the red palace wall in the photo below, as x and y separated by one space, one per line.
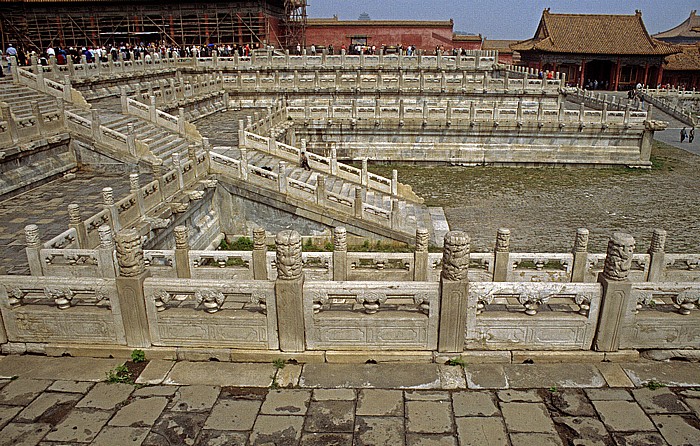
426 38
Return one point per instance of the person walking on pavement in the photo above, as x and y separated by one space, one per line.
683 134
691 137
304 162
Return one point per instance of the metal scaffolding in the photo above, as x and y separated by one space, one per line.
36 25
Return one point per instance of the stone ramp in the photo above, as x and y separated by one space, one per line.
413 215
57 400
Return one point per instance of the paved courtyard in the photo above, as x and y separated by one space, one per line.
59 401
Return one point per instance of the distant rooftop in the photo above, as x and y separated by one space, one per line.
686 32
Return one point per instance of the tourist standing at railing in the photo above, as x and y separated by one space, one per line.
683 134
691 137
11 51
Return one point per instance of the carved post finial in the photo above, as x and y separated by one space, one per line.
74 213
31 234
134 182
106 236
259 238
340 239
618 259
108 196
503 240
455 256
182 236
288 247
130 253
581 242
658 241
422 240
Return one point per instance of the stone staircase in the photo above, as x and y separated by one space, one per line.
20 99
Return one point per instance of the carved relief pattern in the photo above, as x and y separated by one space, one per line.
182 234
259 298
423 302
687 300
503 240
455 256
643 298
371 301
288 259
134 182
105 234
618 259
61 296
211 300
581 243
259 237
422 240
130 253
319 299
15 296
161 298
74 213
195 195
340 239
583 300
658 241
31 234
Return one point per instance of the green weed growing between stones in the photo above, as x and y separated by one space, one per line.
138 356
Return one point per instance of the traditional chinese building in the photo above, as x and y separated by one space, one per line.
505 54
38 24
424 35
683 69
614 50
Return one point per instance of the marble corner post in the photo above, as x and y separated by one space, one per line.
501 256
617 289
182 252
31 234
289 291
454 292
76 222
105 252
340 254
657 256
580 253
259 254
132 299
420 256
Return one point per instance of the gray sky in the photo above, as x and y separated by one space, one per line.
503 19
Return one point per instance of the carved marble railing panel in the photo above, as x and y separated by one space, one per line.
151 195
171 183
93 223
638 273
224 164
128 210
81 310
66 239
371 315
532 316
160 262
480 266
189 174
661 315
681 268
199 313
318 265
374 266
70 262
221 264
540 267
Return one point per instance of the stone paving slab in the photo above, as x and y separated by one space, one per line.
40 367
556 375
155 372
481 431
221 374
677 374
386 376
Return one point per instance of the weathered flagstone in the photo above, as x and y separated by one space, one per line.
474 404
81 426
572 402
623 416
481 431
486 376
46 401
175 428
221 374
23 434
221 438
674 374
532 438
155 391
382 376
286 402
106 395
639 439
22 391
277 430
7 413
233 415
429 417
155 372
139 412
370 431
330 416
325 439
524 376
678 430
334 394
195 398
380 402
111 435
661 400
525 396
588 429
71 386
608 395
527 417
40 367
